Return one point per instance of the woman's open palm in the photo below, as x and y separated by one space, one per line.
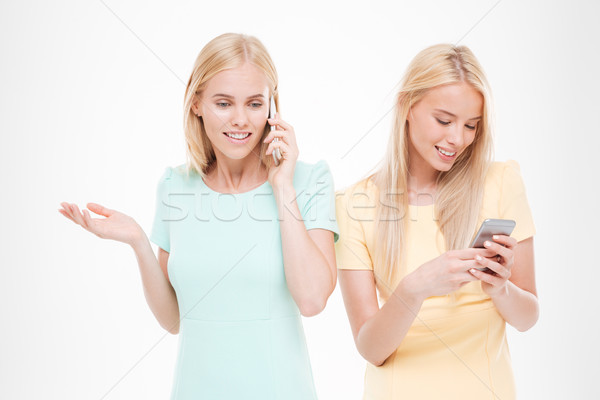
116 225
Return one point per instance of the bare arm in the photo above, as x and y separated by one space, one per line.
308 257
513 291
158 291
378 332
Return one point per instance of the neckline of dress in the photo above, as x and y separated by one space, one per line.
265 183
417 206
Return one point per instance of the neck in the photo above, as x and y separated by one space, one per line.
420 173
422 180
235 176
419 178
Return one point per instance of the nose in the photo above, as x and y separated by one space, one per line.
240 118
456 136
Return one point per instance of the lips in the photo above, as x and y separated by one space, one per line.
445 152
238 137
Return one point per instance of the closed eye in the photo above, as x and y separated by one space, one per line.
443 122
471 127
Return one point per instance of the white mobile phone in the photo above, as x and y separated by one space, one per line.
272 111
488 229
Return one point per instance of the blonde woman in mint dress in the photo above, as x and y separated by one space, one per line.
244 247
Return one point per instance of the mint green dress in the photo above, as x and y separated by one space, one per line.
241 334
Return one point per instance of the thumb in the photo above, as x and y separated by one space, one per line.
98 209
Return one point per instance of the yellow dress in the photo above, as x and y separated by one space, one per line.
456 348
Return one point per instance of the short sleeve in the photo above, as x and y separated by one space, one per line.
513 202
351 249
160 234
319 209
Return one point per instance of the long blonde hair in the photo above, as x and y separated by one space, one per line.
459 190
227 51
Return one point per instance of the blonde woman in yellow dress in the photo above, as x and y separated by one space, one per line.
439 332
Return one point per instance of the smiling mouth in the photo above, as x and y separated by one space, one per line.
237 136
446 153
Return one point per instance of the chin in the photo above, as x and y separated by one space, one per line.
440 165
236 156
239 153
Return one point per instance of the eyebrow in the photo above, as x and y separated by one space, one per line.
254 96
452 115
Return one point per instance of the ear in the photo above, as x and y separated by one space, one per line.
196 106
409 116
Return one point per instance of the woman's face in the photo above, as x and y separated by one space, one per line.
442 125
234 107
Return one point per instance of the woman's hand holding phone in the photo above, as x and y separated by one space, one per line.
444 274
272 112
282 175
494 281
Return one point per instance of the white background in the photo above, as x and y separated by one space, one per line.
91 110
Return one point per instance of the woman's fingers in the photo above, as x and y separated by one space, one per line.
77 215
507 241
72 212
487 278
281 123
118 227
470 253
100 210
283 147
498 248
502 272
275 134
88 220
289 136
468 278
67 209
66 214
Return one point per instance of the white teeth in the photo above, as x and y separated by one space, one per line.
446 153
237 135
